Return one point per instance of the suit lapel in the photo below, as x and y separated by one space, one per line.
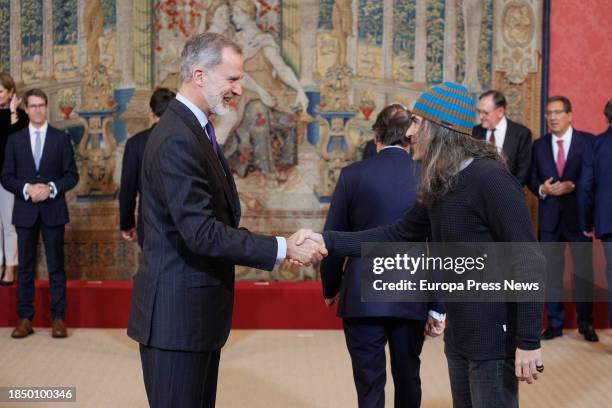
573 149
192 123
46 148
509 139
547 139
479 133
30 151
230 179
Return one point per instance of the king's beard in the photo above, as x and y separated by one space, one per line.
220 105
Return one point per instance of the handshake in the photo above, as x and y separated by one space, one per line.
305 248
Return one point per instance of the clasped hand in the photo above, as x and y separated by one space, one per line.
305 248
38 192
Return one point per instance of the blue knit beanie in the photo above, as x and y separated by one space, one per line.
448 105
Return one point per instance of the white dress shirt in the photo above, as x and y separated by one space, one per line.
43 137
567 142
281 253
500 134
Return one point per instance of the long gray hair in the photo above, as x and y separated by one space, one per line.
445 150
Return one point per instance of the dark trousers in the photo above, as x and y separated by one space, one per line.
53 239
582 259
482 384
607 245
366 338
180 378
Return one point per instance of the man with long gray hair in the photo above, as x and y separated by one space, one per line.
184 289
466 195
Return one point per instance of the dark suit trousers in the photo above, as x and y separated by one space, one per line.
180 378
53 239
366 338
606 241
582 259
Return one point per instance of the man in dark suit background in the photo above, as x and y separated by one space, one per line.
371 193
39 169
511 139
555 171
380 124
595 195
130 170
184 289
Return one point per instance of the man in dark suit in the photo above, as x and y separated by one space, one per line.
381 122
183 292
555 170
130 171
595 195
39 169
371 193
511 139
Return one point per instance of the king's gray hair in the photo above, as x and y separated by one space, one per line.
204 51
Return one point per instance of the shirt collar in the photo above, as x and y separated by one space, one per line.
502 126
393 147
201 116
42 129
466 162
566 136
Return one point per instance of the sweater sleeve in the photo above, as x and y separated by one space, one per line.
504 208
412 227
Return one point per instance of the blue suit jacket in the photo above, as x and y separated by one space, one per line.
595 188
369 193
555 213
56 165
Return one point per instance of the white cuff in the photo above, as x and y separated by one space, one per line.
26 196
281 254
540 193
438 316
53 193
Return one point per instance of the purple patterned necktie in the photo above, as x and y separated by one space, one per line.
211 134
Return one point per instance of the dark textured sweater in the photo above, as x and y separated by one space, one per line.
486 205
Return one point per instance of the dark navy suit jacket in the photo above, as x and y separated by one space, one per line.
516 149
130 182
369 150
184 290
558 212
56 165
595 188
369 193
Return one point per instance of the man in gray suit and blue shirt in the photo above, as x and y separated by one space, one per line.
184 289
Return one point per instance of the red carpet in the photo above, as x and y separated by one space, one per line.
276 305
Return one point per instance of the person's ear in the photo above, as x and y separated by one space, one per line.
199 77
